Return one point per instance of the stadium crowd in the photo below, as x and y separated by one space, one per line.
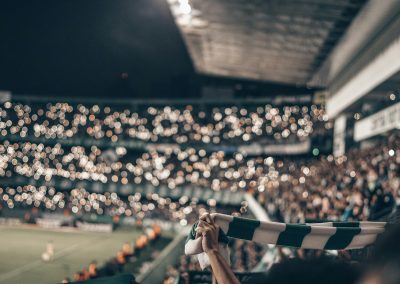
80 202
166 124
361 185
357 186
348 187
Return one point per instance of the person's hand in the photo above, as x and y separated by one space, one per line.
209 232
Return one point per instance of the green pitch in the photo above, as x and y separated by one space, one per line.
21 250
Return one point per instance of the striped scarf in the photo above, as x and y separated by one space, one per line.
326 236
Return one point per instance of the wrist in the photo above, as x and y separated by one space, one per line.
212 252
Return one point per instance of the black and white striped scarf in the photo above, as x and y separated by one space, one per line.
326 236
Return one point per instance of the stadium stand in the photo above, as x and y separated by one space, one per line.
200 141
215 170
181 125
61 177
344 189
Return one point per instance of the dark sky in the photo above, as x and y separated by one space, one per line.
81 48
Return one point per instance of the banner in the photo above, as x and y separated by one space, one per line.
10 221
378 123
203 194
276 149
89 227
5 96
339 136
49 223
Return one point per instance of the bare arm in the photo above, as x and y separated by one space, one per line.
221 269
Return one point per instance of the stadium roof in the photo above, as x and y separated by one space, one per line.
283 41
133 49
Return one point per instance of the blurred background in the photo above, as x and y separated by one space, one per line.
122 121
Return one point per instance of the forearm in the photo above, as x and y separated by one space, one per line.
214 280
221 269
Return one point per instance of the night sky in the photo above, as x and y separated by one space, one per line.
81 48
98 48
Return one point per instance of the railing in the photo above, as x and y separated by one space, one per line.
276 100
223 197
259 212
169 256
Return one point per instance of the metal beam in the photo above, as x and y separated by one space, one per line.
367 25
325 13
293 44
276 71
270 78
263 62
147 102
292 54
287 31
367 79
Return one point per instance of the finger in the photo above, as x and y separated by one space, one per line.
207 217
212 220
204 216
203 231
213 226
198 230
201 228
204 224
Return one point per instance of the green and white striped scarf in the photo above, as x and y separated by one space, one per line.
326 236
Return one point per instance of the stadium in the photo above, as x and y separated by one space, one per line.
200 141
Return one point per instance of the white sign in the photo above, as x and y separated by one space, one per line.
5 96
89 227
378 123
48 223
278 149
339 136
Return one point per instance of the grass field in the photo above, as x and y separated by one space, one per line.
21 249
